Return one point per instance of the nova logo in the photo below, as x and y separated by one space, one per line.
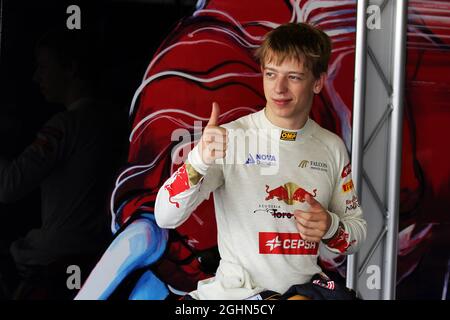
250 159
263 159
288 135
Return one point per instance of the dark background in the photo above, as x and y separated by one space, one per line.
128 34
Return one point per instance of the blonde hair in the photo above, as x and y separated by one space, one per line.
298 41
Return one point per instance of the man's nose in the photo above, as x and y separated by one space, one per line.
281 84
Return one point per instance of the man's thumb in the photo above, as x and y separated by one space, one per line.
310 200
215 112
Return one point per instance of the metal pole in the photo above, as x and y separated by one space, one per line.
359 95
395 151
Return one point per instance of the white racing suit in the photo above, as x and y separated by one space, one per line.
256 189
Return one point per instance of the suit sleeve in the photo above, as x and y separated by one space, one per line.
348 227
185 190
26 172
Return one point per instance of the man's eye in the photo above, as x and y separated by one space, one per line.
296 78
269 74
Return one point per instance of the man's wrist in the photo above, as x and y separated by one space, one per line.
334 226
196 161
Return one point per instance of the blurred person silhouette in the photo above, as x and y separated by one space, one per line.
72 160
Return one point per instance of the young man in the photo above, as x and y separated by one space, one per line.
270 226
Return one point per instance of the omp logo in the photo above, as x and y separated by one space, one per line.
288 135
303 164
285 243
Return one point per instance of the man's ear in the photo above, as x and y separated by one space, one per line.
319 82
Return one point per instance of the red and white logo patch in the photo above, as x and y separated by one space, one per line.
325 284
285 243
347 170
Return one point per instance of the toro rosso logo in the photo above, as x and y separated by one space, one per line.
289 193
285 243
274 213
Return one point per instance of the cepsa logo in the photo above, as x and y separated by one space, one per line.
285 243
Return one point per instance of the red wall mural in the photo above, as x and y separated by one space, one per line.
209 57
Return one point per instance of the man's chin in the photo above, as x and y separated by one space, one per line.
282 112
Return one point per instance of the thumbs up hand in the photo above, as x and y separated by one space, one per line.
213 144
312 224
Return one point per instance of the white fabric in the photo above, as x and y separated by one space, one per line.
244 213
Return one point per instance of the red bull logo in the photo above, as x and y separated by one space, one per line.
179 184
289 193
340 240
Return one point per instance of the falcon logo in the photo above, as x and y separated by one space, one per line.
303 164
315 165
272 244
285 243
